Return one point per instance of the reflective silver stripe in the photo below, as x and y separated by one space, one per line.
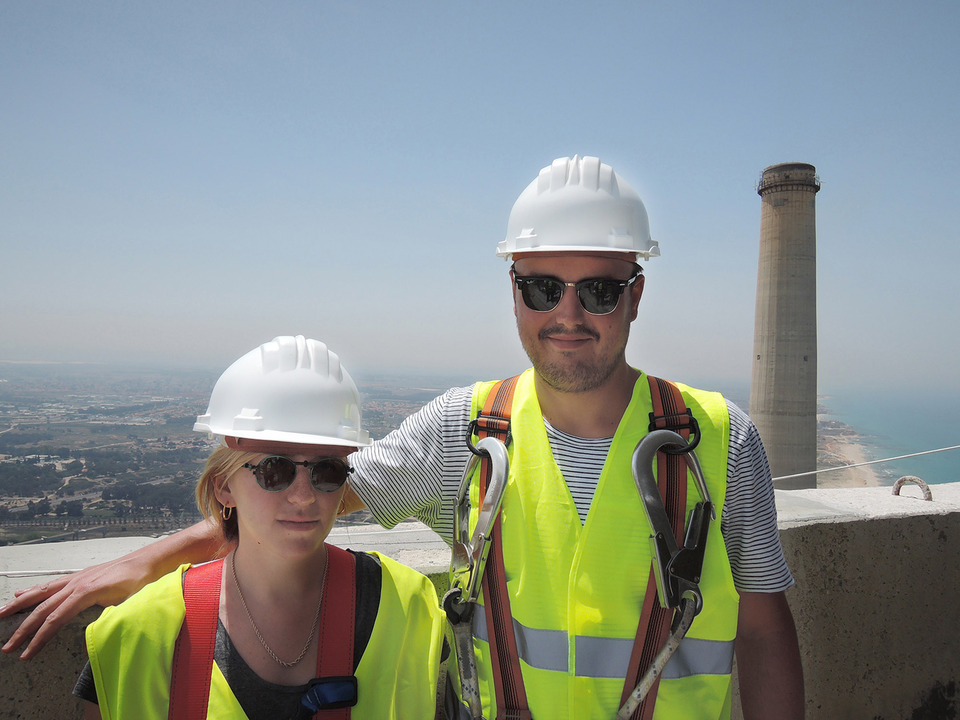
700 657
541 649
603 657
599 657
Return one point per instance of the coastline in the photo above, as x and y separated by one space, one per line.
839 444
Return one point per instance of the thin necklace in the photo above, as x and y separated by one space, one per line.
313 629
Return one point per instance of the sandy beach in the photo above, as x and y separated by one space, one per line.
839 445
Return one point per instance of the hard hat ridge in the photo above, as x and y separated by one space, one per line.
290 390
579 204
288 353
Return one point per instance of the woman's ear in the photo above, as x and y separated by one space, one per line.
222 491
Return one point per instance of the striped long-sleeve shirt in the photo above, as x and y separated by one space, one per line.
415 472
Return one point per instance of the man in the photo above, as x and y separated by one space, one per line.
575 541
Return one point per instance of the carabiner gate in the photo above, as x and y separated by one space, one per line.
469 556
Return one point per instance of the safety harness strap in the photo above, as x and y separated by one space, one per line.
193 652
335 655
669 412
494 420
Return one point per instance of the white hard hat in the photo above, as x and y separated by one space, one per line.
578 205
290 390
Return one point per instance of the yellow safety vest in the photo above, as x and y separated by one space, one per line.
576 590
131 653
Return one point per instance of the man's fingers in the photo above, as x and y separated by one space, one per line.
51 611
27 628
48 622
28 597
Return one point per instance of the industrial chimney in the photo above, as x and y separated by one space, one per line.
783 388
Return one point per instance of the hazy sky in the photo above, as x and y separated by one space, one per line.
181 181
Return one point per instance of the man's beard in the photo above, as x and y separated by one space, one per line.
572 376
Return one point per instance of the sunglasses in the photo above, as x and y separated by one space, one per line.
598 296
276 473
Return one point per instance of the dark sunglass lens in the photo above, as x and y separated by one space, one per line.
541 294
599 297
328 475
276 473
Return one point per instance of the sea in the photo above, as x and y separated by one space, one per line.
892 423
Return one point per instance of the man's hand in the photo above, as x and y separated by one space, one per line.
59 601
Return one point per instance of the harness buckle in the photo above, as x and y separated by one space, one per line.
497 427
677 422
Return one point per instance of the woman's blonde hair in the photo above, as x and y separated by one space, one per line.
221 464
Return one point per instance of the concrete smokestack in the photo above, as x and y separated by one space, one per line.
783 389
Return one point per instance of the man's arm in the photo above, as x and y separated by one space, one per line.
768 658
106 584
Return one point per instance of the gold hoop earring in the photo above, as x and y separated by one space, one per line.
226 512
341 509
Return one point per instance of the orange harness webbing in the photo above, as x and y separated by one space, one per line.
655 620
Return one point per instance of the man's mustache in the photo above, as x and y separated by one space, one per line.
557 330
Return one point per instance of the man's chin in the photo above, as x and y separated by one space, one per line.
577 379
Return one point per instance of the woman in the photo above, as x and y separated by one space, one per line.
285 625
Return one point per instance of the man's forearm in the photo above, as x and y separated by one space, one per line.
196 544
768 659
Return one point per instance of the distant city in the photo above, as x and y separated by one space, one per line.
95 451
92 451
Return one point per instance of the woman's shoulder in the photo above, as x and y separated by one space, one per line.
161 602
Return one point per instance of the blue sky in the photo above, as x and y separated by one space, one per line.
181 181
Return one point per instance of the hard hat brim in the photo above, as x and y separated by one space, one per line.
274 447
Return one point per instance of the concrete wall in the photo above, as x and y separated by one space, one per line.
875 605
875 600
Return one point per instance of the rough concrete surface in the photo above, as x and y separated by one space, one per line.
875 601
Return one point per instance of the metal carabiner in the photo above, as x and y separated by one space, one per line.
469 556
677 570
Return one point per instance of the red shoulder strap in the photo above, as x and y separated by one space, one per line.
505 658
337 618
654 626
193 651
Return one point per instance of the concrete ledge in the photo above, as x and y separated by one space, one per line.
796 508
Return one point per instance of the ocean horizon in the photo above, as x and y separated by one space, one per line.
895 423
